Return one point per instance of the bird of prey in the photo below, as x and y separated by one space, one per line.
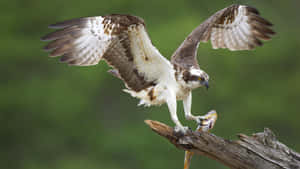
123 43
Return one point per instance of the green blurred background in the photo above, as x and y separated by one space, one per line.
62 117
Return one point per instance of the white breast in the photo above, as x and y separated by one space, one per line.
158 94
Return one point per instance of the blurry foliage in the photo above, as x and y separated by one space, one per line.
62 117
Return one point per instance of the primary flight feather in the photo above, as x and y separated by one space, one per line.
123 42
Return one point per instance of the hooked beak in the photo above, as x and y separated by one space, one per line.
206 84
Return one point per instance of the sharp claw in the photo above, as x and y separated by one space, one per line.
201 121
207 122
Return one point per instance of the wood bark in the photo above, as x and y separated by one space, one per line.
259 151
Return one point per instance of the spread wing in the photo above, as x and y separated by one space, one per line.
237 27
120 40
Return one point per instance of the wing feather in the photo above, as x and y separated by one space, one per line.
120 40
239 17
69 23
221 37
237 27
242 38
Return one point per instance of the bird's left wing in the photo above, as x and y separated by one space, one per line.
237 27
120 40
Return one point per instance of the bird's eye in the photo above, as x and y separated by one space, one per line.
201 78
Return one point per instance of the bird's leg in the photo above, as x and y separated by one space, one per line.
172 105
205 123
201 120
211 119
187 106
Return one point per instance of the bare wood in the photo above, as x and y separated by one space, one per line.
259 151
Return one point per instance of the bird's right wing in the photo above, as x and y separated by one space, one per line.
120 40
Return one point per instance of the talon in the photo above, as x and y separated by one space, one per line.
207 122
205 126
201 120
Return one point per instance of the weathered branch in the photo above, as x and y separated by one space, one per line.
259 151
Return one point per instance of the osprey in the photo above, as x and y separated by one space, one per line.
123 42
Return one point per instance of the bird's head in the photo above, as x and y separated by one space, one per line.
196 78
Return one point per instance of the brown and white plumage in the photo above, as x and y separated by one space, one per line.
122 41
237 27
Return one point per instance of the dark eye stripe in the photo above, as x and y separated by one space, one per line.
188 77
193 78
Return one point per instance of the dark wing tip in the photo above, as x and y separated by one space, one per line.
258 42
252 9
43 39
48 37
67 57
72 31
261 27
67 23
258 18
46 48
